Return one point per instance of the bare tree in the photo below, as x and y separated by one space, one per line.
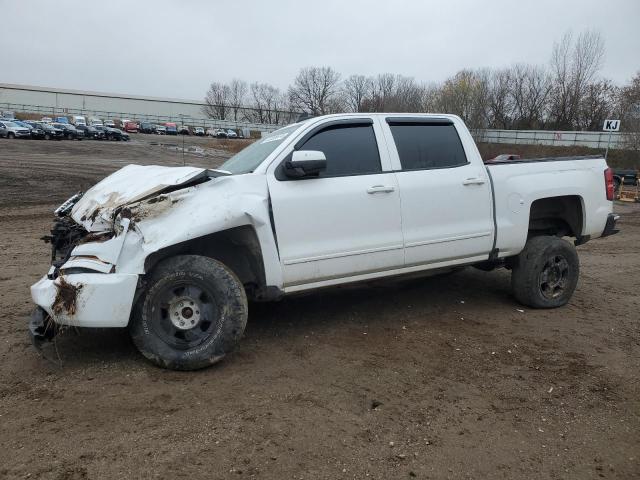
500 99
383 87
466 95
356 89
574 65
530 92
267 103
408 96
237 94
217 101
314 90
429 99
629 112
596 105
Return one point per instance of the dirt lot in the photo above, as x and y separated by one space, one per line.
445 377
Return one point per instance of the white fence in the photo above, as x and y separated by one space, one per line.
549 137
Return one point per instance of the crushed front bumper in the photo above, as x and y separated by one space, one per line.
41 328
87 299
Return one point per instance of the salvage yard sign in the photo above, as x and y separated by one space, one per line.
610 126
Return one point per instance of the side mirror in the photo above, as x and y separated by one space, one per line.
305 163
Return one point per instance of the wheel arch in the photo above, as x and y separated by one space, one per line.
558 216
238 248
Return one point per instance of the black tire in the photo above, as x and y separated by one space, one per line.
11 135
545 273
193 288
47 136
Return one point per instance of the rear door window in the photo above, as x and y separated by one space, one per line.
430 145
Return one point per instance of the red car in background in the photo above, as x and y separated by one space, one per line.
130 127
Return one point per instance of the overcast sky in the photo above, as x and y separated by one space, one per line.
176 48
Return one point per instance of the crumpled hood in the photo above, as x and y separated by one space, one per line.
95 210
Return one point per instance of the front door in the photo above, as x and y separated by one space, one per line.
346 221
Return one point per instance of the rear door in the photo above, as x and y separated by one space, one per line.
446 199
346 221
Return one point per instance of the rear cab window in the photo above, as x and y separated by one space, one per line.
428 143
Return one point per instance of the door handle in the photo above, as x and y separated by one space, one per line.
473 181
380 189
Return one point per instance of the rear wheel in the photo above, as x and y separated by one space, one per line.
11 135
192 314
545 273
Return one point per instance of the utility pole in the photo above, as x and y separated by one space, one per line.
180 126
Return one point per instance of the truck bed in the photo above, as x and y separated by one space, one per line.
518 184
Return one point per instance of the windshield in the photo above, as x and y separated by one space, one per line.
247 160
9 124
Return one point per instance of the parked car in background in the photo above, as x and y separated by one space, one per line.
50 132
113 133
91 132
64 120
110 124
8 114
199 131
34 130
9 129
147 128
46 119
70 132
184 130
130 127
231 134
172 129
503 157
217 132
161 130
78 120
93 121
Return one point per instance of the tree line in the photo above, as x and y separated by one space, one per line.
566 94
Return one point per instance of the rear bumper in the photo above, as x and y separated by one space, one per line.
610 226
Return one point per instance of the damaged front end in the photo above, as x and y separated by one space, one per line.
81 289
84 286
101 240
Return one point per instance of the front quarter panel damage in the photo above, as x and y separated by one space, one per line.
215 206
97 285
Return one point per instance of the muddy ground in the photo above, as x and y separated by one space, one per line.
444 377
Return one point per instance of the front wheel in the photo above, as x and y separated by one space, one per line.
545 273
192 314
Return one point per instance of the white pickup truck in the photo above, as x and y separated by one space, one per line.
175 252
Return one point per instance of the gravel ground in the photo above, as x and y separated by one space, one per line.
443 377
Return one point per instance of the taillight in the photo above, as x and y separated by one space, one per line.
608 183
